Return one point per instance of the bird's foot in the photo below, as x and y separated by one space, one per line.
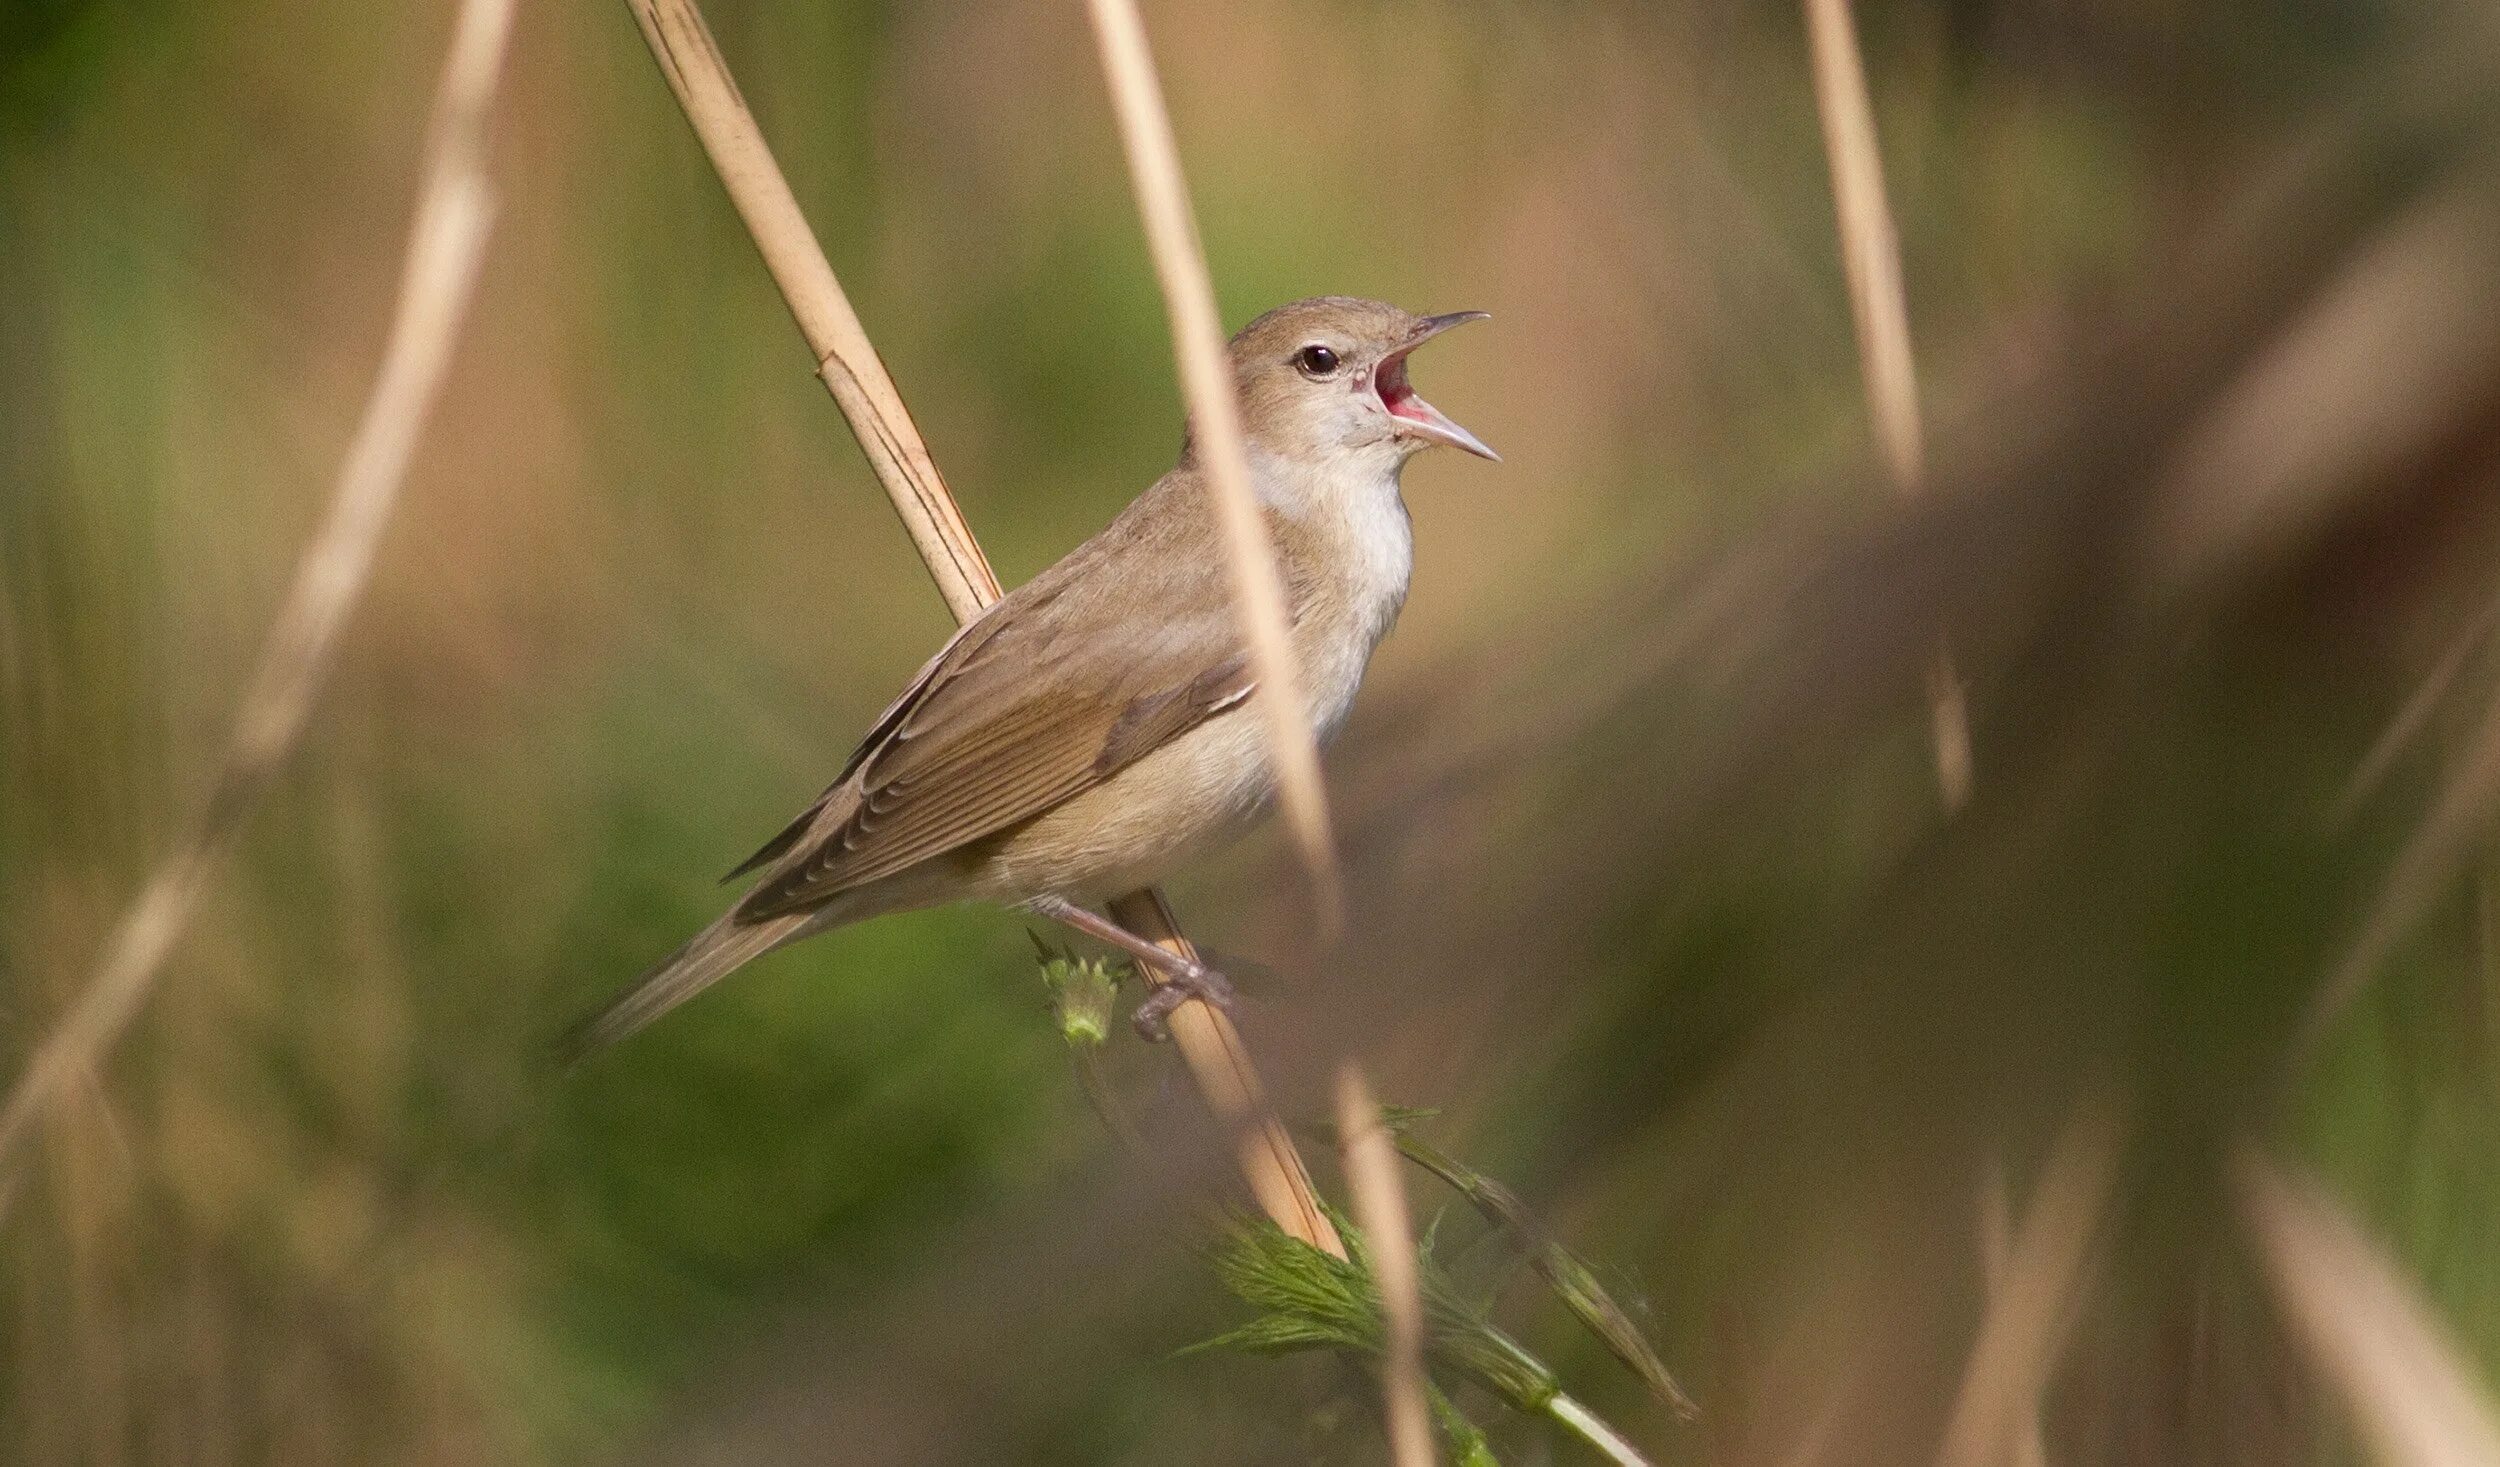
1178 986
1183 978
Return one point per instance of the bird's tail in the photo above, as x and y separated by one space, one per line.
709 956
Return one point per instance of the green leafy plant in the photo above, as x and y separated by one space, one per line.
1310 1300
1571 1278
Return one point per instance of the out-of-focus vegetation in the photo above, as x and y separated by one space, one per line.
1654 899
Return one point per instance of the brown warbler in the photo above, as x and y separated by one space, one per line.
1090 731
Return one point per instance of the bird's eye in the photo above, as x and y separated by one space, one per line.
1315 360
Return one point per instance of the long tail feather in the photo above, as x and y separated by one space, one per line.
708 957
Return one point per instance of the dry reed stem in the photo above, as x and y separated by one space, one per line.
446 242
1870 254
1209 1044
2027 1315
2368 1332
1215 415
1378 1191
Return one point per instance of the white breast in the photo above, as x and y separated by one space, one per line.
1367 523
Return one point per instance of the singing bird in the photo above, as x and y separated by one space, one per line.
1094 729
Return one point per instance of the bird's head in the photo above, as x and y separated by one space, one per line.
1324 380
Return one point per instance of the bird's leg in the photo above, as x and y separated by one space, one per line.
1183 978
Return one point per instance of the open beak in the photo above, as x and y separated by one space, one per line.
1415 415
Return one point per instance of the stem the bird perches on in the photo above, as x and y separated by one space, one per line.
856 376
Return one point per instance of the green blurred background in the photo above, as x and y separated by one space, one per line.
1655 900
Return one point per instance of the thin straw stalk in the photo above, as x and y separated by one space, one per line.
1379 1195
1215 419
447 241
1870 254
1209 1044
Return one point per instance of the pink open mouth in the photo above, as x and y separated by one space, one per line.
1397 396
1401 402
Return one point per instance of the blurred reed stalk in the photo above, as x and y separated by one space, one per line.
1180 257
2033 1296
1211 1046
1870 255
1373 1182
2369 1334
447 241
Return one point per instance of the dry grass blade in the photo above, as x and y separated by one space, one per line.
446 243
2412 1393
1215 415
852 371
1870 255
1379 1195
2033 1303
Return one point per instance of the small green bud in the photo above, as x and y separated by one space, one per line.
1083 993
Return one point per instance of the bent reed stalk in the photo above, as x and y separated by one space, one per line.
1180 258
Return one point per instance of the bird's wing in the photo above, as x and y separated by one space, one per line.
791 834
1026 708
